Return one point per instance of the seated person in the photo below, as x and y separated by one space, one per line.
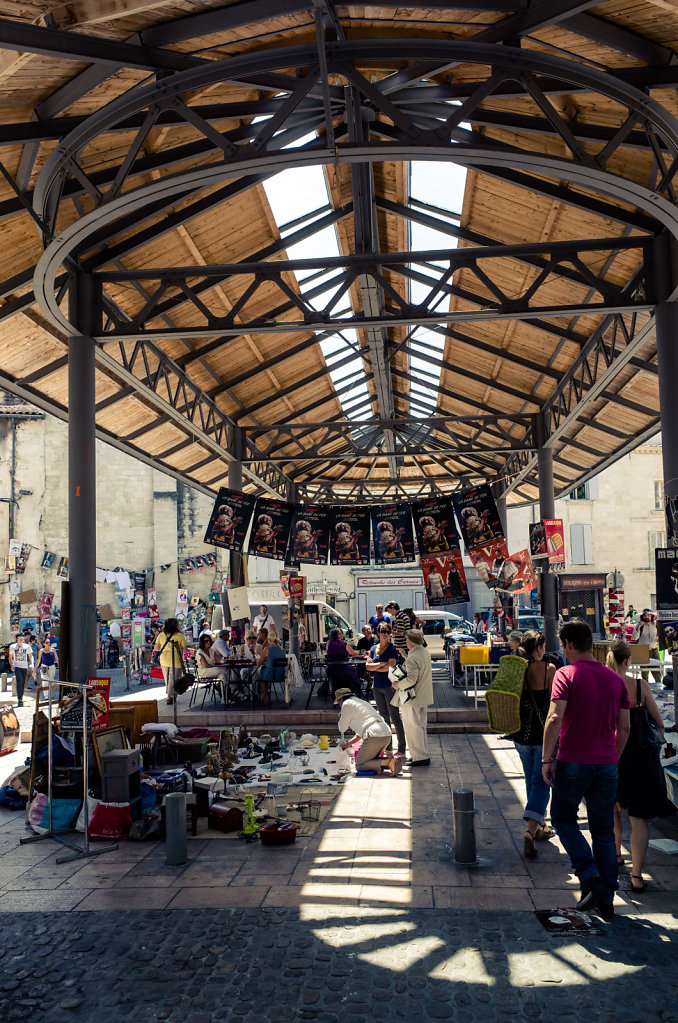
366 642
339 671
205 660
271 655
222 648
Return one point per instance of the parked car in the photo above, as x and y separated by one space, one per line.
439 626
530 620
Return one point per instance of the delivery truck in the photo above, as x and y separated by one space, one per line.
318 618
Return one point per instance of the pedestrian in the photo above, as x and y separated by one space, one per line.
35 647
534 707
641 783
589 714
21 663
414 695
515 639
400 623
378 617
264 621
360 717
646 632
47 661
382 657
170 645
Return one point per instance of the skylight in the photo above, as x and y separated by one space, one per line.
302 193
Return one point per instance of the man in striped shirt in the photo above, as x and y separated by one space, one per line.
400 623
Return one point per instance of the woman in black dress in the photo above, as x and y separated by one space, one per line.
641 786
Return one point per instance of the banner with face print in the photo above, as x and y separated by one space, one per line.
515 574
349 536
270 529
477 516
309 536
230 520
488 559
444 578
393 534
435 526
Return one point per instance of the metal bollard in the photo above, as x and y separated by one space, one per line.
176 843
464 826
3 682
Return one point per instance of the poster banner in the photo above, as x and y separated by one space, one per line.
515 574
270 529
537 540
350 536
477 516
22 559
444 578
230 520
666 578
238 603
435 526
667 635
309 536
100 698
14 548
485 557
555 542
62 569
393 533
182 596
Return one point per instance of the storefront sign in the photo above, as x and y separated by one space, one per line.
582 582
389 581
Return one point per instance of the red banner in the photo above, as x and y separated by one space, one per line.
100 700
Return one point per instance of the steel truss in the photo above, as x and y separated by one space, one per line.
411 112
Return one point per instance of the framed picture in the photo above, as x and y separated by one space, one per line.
107 740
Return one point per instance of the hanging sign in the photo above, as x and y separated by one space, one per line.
100 698
230 520
666 580
435 526
270 529
309 536
350 536
515 573
393 535
477 516
488 558
444 578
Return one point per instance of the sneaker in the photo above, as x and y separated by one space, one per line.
589 891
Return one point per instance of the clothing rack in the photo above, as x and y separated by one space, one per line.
77 852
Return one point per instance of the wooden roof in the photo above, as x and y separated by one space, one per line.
594 373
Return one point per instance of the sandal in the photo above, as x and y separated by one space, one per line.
638 887
529 850
544 833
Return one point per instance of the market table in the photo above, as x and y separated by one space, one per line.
232 675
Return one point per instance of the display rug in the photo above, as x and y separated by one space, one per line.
291 804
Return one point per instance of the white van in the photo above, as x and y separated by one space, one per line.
438 625
319 618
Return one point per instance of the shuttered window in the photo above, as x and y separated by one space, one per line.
581 544
655 538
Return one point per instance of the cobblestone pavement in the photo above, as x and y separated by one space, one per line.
333 964
369 912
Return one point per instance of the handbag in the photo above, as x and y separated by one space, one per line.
184 682
648 733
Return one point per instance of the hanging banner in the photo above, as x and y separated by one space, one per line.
537 540
477 516
45 605
62 569
444 578
350 536
486 556
309 535
555 542
666 581
14 548
270 529
435 526
515 573
392 532
230 520
182 596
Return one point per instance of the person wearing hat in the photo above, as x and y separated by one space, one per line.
415 696
360 717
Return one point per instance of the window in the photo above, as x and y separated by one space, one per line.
585 492
655 538
266 570
659 495
581 544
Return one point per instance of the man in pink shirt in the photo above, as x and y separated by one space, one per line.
589 713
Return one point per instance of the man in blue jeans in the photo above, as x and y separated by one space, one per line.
589 712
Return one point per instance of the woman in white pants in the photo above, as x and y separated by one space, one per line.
419 686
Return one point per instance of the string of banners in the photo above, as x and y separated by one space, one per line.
314 534
19 552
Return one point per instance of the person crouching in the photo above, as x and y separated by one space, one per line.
360 717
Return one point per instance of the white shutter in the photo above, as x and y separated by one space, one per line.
592 487
588 544
577 544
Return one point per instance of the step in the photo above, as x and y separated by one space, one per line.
441 721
